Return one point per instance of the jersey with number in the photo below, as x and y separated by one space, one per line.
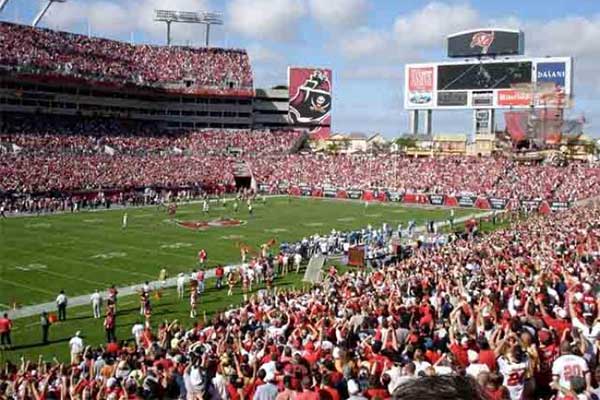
568 366
514 376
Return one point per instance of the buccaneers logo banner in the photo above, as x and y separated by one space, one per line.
310 100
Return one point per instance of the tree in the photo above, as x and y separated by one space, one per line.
333 148
406 142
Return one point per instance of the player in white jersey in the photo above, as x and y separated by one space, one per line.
297 262
567 366
514 367
96 301
205 206
180 285
124 223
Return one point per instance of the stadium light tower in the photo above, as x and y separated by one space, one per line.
202 17
41 14
2 4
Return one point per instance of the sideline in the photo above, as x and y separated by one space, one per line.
118 207
84 299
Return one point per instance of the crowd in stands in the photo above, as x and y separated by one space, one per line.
515 311
51 135
44 51
31 173
495 177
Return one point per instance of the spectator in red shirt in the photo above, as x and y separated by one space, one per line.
5 328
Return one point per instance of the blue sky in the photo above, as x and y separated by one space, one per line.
365 42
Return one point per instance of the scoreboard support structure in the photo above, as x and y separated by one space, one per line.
483 121
413 122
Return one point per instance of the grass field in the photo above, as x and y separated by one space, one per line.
89 250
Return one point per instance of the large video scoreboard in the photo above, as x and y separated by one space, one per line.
490 83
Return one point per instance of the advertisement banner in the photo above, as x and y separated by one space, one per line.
310 100
329 192
559 205
305 190
482 99
497 203
530 204
436 199
420 86
354 193
554 72
420 79
393 195
466 201
263 187
513 97
452 99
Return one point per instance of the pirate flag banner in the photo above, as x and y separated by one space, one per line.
310 100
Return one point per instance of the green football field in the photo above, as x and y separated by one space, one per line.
81 252
89 250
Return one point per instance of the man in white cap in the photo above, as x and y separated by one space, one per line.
76 347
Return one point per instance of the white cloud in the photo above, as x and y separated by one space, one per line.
261 54
363 43
114 18
411 35
274 20
427 27
339 14
375 72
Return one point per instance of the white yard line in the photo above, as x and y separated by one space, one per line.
26 286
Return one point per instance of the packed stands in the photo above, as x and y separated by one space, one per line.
49 163
44 52
513 310
496 177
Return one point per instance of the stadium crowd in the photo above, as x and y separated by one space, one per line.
515 310
44 51
28 173
49 135
495 177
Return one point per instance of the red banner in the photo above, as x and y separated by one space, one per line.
310 100
482 203
367 195
420 79
513 97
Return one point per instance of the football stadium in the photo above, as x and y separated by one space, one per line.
176 225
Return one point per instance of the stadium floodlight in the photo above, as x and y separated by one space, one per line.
202 17
2 4
41 14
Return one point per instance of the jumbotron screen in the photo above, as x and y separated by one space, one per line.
501 75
